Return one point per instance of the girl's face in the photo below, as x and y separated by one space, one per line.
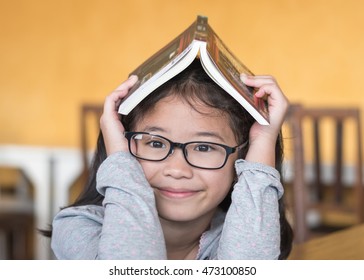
184 192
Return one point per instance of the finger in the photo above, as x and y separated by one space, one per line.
124 88
257 81
113 100
271 91
266 86
265 90
110 104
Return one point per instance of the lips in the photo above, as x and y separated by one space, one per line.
176 193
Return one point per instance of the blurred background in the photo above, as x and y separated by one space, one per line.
56 56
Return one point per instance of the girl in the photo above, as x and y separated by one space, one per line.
188 174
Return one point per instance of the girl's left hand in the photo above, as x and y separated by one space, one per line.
262 138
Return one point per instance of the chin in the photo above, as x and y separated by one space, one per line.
177 213
177 216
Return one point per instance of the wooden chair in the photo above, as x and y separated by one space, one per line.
16 215
326 180
89 127
89 112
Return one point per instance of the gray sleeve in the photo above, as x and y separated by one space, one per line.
130 227
76 232
252 227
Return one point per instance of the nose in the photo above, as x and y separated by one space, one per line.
175 165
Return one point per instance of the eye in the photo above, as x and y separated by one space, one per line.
203 148
156 144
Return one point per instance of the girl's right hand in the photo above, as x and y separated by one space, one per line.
111 127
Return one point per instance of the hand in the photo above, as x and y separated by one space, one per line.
111 127
262 138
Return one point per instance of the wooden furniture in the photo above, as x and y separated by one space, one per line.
51 171
327 142
16 215
345 244
89 113
89 129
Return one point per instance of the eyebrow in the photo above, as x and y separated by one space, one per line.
210 134
154 129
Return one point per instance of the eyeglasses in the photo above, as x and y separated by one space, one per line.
200 154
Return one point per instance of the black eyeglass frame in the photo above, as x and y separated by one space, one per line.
229 150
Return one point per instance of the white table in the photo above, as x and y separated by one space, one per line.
51 170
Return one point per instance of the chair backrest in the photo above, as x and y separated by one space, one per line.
320 142
89 113
15 188
89 127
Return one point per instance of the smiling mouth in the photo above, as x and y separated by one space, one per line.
176 194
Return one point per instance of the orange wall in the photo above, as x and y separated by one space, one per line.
56 54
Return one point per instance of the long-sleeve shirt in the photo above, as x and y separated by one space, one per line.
127 225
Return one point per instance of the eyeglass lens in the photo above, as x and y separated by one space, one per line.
199 154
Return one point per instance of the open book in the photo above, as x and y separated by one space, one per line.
198 40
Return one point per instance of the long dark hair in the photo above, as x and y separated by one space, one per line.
192 85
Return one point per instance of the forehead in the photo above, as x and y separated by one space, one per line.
182 119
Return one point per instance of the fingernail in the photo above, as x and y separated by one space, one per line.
133 77
243 77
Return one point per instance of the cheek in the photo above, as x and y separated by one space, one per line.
222 180
229 173
149 169
229 168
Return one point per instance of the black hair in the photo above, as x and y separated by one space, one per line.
192 85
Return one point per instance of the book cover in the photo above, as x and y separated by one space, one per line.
218 61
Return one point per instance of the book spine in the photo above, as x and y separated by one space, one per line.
201 28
